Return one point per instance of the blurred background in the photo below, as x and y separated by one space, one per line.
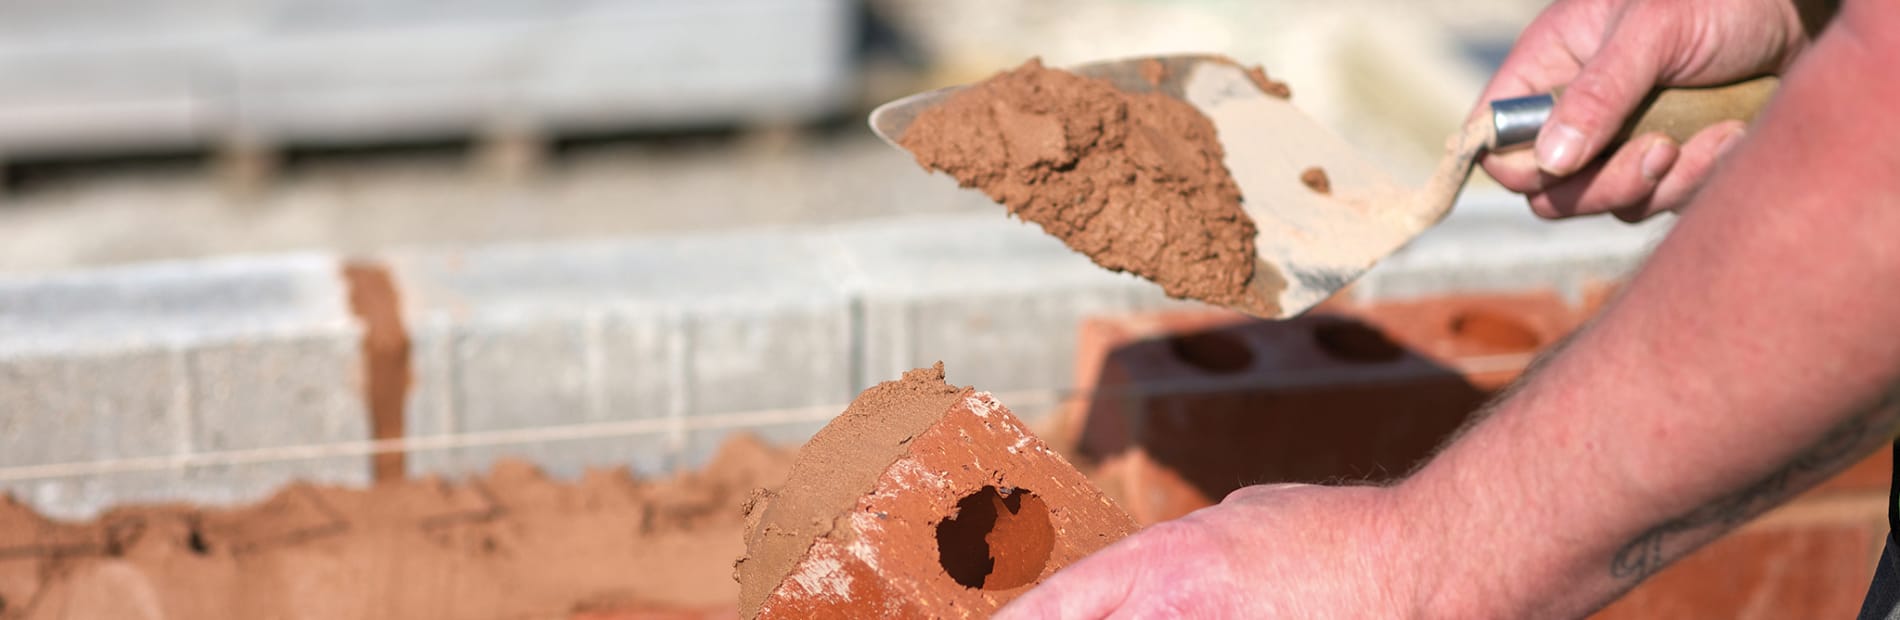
178 128
501 309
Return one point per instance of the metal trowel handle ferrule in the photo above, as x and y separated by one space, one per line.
1676 112
1517 120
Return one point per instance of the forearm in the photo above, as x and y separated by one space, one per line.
1749 359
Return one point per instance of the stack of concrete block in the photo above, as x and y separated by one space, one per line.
169 360
785 323
996 300
91 78
668 343
366 71
523 337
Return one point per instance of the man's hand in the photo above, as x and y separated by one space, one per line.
1610 54
1270 551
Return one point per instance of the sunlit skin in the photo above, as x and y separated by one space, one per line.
1756 353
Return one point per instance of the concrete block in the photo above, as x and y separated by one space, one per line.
181 304
760 61
359 73
558 370
996 299
791 355
64 409
279 391
173 359
62 98
1493 243
85 497
653 329
369 84
527 372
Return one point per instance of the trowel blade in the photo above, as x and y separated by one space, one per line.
1310 244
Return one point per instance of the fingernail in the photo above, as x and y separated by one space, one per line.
1657 160
1559 149
1728 143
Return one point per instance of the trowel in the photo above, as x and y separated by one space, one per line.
1311 244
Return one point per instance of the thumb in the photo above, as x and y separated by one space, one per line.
1092 588
1591 110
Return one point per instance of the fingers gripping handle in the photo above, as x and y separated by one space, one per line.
1676 112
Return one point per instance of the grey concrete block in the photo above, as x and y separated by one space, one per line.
372 73
66 409
564 369
750 60
677 275
652 329
793 355
179 304
526 373
84 497
177 359
279 391
997 300
102 97
429 409
1492 242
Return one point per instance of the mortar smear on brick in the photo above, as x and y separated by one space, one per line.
375 301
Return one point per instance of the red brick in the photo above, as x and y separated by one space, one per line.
1805 567
1872 475
1348 392
973 512
1598 294
1151 493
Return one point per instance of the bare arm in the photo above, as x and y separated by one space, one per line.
1756 353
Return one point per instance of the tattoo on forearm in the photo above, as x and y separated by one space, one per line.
1655 548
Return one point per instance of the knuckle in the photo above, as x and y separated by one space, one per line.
1584 98
1604 90
1543 207
1178 538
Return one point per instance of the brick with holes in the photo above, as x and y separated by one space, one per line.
920 500
1189 406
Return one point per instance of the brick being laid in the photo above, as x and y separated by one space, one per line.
921 500
1186 407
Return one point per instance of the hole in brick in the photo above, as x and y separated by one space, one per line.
1353 341
998 539
196 542
1482 331
1212 351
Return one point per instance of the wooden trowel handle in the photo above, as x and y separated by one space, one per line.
1676 112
